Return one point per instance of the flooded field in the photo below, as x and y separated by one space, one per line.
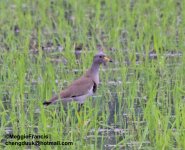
140 102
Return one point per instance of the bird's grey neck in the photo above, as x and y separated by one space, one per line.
94 73
95 68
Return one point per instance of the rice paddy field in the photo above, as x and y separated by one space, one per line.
140 102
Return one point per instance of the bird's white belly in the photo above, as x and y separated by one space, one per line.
81 99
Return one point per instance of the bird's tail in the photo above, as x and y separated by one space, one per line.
52 100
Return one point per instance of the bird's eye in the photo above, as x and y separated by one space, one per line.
100 56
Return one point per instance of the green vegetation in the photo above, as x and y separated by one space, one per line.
140 103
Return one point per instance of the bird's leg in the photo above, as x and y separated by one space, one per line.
79 117
80 106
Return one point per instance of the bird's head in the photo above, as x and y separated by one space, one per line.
101 58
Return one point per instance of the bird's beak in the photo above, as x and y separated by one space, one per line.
107 59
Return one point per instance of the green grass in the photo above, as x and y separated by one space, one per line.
146 99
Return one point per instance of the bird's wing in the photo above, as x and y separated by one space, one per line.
78 88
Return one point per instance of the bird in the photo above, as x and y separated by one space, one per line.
85 86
